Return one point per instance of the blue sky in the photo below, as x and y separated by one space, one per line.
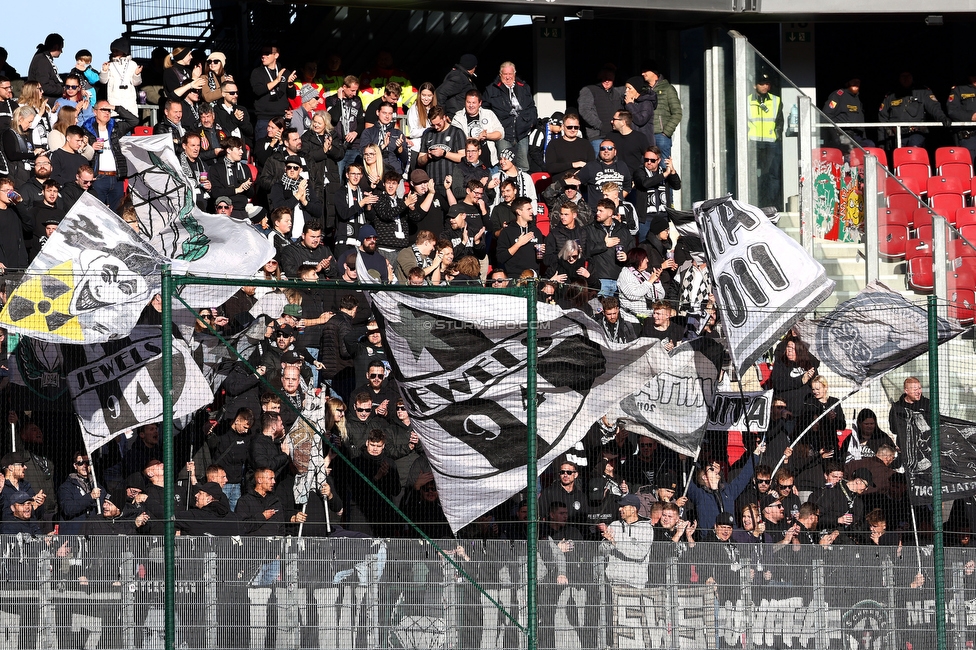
92 28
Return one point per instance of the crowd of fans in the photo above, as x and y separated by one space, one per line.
452 192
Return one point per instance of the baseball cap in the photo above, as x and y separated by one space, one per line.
223 199
418 177
629 500
292 310
724 519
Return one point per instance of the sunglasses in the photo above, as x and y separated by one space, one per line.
365 410
71 87
206 317
374 375
567 472
651 159
786 487
570 127
84 182
401 407
212 61
224 206
292 167
104 110
83 463
231 92
606 148
764 481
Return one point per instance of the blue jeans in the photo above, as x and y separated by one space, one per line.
267 574
315 371
233 493
596 146
109 190
663 143
608 287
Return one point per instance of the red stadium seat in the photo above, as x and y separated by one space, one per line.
947 204
960 248
142 130
254 171
904 202
945 185
922 217
914 171
541 180
920 275
857 156
918 247
895 185
828 154
968 232
542 219
953 156
893 217
892 240
965 217
909 156
972 186
960 308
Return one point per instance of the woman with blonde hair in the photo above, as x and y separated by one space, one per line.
18 150
373 168
31 95
216 75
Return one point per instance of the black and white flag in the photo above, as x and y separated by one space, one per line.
460 363
873 332
741 411
958 458
764 281
118 385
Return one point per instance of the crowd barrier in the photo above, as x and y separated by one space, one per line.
345 593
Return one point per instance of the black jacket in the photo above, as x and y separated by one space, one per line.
499 100
270 103
250 511
450 94
228 122
265 452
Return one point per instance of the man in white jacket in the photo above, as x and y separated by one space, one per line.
481 124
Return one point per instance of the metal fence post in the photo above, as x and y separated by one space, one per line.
938 551
819 603
940 261
805 153
745 177
531 468
871 250
958 607
169 485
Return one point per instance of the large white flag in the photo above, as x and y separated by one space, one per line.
209 245
89 283
764 281
461 365
118 386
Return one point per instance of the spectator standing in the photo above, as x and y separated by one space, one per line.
44 71
511 100
765 138
597 104
78 496
452 91
106 133
120 75
272 86
668 112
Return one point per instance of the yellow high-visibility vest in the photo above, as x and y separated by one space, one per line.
762 123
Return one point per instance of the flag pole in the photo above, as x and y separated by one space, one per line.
918 553
819 417
91 465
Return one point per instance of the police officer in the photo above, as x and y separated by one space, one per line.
910 103
844 106
765 134
962 108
